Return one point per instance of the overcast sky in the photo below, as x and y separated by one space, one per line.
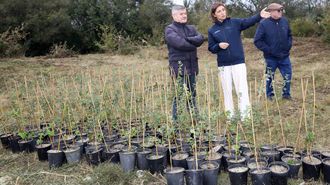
178 2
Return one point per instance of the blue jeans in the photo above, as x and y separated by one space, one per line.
190 81
284 65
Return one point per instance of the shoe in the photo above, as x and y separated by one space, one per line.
287 98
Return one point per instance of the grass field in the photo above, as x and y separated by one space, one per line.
309 55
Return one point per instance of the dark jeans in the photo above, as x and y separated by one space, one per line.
285 68
190 81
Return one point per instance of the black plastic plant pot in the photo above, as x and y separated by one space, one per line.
142 162
194 177
246 147
211 171
238 174
236 160
83 142
42 151
252 163
26 146
155 163
294 164
248 154
325 154
5 140
13 143
315 153
273 155
224 163
56 158
174 176
268 147
180 160
127 160
261 176
311 168
94 156
279 171
326 170
73 154
111 155
215 157
191 162
284 149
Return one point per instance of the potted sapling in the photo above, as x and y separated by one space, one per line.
238 171
157 159
26 142
128 156
174 175
42 147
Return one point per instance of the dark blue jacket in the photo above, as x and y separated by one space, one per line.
229 31
182 41
274 38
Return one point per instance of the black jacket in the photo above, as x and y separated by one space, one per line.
274 38
182 42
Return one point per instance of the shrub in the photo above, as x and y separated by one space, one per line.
61 50
304 27
325 28
113 41
11 42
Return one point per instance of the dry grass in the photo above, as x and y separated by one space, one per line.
308 55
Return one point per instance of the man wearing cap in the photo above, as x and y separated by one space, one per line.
273 37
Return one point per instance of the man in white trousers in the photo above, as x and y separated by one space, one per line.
224 39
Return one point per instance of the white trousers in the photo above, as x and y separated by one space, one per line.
236 73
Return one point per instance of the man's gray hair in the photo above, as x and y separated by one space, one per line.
177 8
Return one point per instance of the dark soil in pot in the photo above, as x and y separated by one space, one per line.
180 160
26 146
127 160
311 168
5 140
294 164
211 171
238 174
326 170
56 158
261 176
155 163
280 172
174 176
42 151
194 177
142 163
